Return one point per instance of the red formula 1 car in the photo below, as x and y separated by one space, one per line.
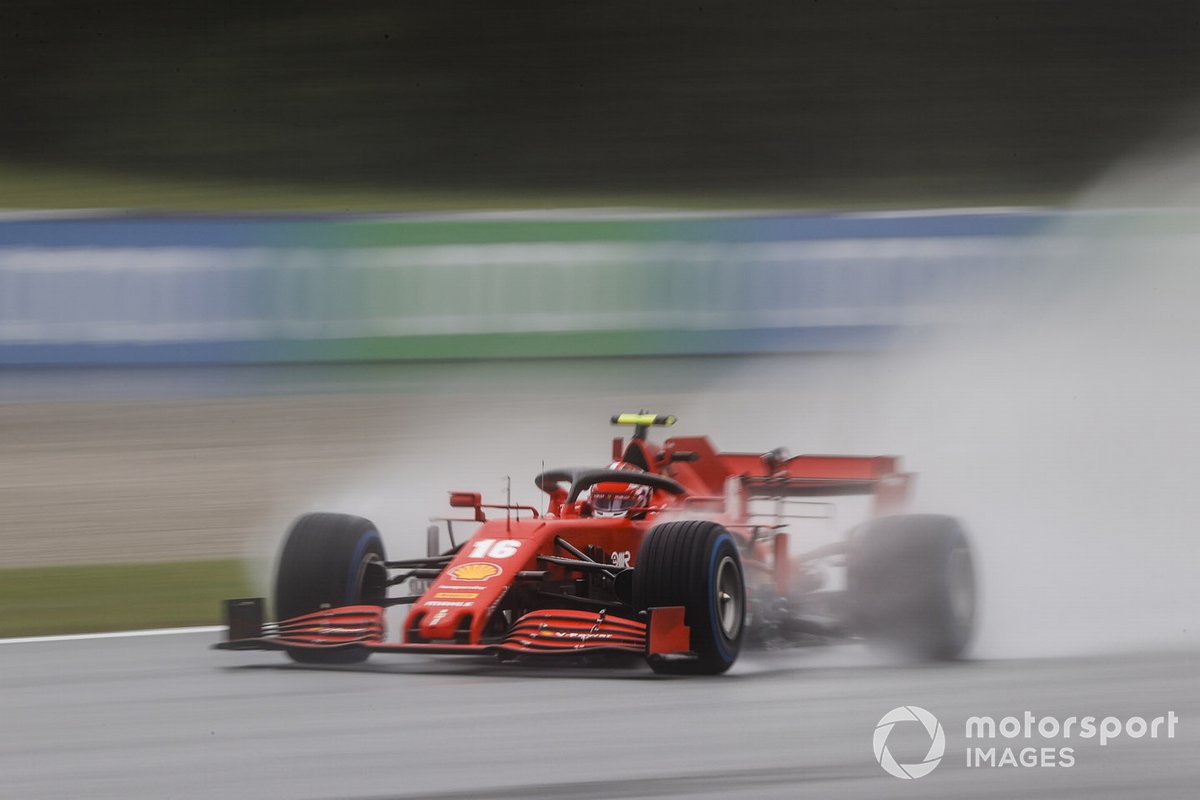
676 553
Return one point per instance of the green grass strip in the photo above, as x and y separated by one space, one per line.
111 597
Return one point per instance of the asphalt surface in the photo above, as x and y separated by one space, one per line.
167 717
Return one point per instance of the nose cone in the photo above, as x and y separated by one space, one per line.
467 592
450 608
442 623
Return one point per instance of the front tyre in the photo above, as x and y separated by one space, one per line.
327 561
695 564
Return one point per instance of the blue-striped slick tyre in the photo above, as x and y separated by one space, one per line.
327 561
695 564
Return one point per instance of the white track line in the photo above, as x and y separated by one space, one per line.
76 637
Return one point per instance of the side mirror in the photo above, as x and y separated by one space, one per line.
469 500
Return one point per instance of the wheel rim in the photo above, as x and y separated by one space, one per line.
960 581
729 597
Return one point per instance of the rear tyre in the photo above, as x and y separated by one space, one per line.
696 565
329 560
911 585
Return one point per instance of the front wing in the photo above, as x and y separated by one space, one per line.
542 632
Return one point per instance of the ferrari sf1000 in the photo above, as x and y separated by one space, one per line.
676 553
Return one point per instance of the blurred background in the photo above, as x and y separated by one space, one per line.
263 259
855 103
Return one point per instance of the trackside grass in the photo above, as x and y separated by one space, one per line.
111 597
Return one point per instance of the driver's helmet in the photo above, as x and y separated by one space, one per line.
615 499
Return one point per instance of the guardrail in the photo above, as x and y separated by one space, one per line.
135 289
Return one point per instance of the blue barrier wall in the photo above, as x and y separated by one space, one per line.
137 289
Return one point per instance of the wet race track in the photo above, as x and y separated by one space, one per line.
166 717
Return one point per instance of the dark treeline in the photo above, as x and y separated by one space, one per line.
916 95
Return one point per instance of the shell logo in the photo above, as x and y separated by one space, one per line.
475 571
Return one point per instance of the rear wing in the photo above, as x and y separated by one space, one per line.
810 474
776 475
834 476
